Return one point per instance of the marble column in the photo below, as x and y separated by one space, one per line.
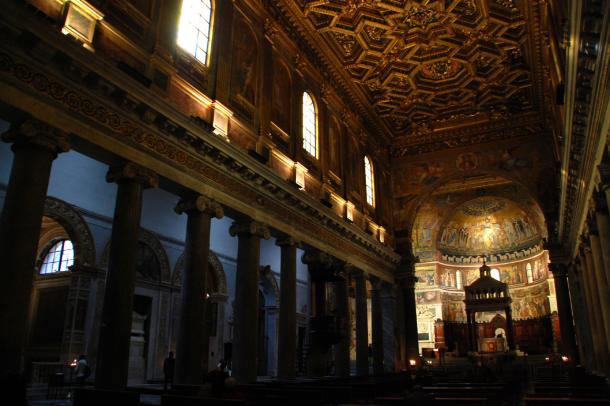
600 277
287 345
321 269
566 320
362 336
35 146
390 333
192 344
342 358
245 312
377 324
580 314
470 325
406 279
510 331
115 332
598 331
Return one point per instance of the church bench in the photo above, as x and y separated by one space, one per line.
103 397
334 394
481 401
185 389
175 400
282 397
552 401
575 390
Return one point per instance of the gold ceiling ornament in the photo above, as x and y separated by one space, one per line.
441 70
407 62
347 43
353 6
421 18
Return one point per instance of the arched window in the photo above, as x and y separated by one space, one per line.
495 273
59 258
528 271
369 181
458 279
194 28
310 126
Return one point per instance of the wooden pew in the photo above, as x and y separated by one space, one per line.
552 401
103 397
264 396
176 400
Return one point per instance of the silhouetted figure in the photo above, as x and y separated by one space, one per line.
82 370
168 370
217 377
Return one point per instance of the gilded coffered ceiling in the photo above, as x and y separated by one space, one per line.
429 67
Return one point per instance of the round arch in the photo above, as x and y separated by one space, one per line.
214 265
151 241
76 228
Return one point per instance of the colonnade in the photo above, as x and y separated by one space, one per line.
36 145
582 286
590 284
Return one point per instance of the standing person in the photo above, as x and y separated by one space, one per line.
168 370
81 370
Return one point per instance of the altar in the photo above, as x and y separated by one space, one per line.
495 344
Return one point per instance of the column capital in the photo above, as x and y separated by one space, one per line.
287 241
559 270
249 227
406 280
356 273
37 134
315 257
200 204
375 282
407 263
133 172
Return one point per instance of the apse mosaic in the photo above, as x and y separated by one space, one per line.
488 225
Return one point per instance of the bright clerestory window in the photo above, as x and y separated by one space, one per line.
310 126
369 181
194 28
59 258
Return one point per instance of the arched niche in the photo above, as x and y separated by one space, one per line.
435 214
215 268
150 251
59 215
281 96
245 66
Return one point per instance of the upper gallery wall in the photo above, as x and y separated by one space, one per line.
248 87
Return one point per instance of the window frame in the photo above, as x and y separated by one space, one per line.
188 52
58 263
316 130
369 184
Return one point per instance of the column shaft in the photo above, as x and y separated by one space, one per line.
598 332
342 364
192 345
245 337
377 326
566 320
115 332
288 309
362 339
412 344
510 332
19 233
602 286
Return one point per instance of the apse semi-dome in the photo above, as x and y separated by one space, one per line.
488 225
